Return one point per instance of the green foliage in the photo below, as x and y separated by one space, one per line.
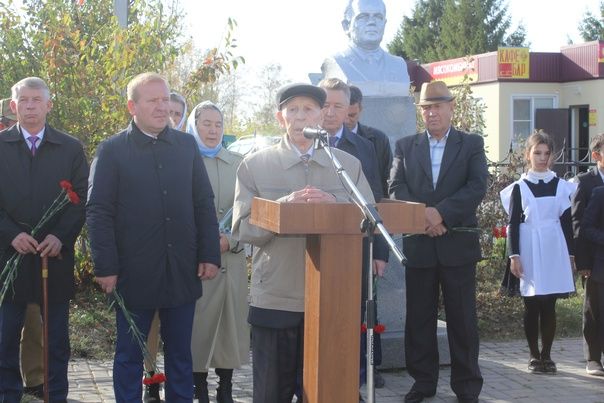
446 29
591 27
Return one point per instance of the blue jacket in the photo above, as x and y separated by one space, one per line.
151 217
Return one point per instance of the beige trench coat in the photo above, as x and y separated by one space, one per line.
220 331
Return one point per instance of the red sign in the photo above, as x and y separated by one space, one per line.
453 71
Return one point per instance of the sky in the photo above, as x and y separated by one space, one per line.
299 34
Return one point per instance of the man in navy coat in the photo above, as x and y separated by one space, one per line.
445 169
584 259
34 158
153 235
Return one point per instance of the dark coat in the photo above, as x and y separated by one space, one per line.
461 186
28 186
363 150
592 228
381 144
151 217
583 247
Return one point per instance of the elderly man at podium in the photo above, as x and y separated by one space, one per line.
290 172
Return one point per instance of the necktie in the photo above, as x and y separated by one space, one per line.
305 158
333 140
33 140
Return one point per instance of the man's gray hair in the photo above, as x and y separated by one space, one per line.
205 106
176 97
142 79
348 10
34 83
335 84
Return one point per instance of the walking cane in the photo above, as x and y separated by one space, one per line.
45 324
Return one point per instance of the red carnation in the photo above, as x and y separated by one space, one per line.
65 184
73 197
496 232
379 328
504 231
363 328
155 379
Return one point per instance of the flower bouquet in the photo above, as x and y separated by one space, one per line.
154 376
65 197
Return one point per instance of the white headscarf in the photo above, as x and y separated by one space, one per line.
192 130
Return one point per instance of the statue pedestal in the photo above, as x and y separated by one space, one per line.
391 312
394 115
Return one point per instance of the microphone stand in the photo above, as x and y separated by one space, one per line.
369 224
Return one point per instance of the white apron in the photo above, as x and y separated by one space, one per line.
543 250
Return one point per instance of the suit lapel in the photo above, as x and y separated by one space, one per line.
597 177
451 150
423 154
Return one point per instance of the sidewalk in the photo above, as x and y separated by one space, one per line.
503 366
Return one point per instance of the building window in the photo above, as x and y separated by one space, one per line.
523 113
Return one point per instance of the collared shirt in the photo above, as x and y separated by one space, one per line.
369 56
355 129
437 150
310 151
338 135
27 135
601 172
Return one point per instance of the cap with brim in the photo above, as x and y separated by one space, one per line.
290 91
435 92
5 111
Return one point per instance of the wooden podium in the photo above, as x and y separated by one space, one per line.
332 302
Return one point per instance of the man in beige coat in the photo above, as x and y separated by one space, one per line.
289 172
221 337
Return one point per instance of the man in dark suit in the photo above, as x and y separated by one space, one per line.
335 112
153 235
584 259
592 228
380 141
34 158
445 169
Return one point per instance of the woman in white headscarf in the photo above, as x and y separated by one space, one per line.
220 331
178 111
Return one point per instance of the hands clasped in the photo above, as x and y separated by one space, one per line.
434 223
310 194
25 243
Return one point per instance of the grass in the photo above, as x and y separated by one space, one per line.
92 325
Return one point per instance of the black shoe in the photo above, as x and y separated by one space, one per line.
378 380
415 396
535 366
151 394
549 367
467 400
35 391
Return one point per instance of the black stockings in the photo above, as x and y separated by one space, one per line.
540 314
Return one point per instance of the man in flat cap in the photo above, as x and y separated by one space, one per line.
7 117
445 169
291 172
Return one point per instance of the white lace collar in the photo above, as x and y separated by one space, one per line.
535 177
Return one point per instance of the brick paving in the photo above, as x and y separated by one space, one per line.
503 366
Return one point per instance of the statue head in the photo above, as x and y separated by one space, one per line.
364 22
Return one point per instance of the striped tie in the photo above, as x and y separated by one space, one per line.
333 141
33 140
305 158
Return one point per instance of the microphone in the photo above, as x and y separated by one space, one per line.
312 133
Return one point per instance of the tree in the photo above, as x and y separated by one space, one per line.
445 29
591 28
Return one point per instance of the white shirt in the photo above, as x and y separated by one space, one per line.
437 150
27 135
